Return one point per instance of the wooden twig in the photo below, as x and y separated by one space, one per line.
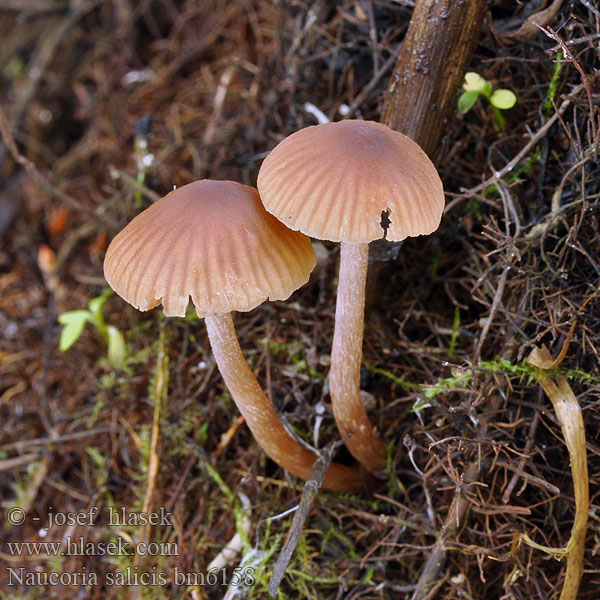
431 66
309 493
519 471
60 439
429 581
421 92
493 309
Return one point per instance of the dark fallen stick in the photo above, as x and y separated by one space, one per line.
309 493
422 93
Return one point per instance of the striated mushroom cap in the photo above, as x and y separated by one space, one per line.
352 181
211 241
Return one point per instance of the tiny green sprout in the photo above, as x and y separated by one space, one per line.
74 321
474 86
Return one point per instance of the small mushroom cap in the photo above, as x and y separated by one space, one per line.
351 181
213 241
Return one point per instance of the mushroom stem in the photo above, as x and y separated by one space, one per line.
346 357
260 415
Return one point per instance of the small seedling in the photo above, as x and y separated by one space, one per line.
474 86
74 321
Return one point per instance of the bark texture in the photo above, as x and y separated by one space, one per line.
422 91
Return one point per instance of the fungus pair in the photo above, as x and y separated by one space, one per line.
354 182
214 241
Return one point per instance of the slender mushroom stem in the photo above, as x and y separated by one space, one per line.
260 415
346 357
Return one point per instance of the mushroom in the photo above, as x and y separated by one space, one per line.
213 241
352 182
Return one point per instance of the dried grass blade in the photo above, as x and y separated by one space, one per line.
570 418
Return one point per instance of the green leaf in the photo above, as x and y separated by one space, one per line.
455 332
503 99
72 316
96 304
202 434
474 83
466 101
73 322
117 348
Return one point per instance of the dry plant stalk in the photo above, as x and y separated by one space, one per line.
161 391
569 416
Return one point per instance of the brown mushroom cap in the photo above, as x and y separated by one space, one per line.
334 181
213 241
